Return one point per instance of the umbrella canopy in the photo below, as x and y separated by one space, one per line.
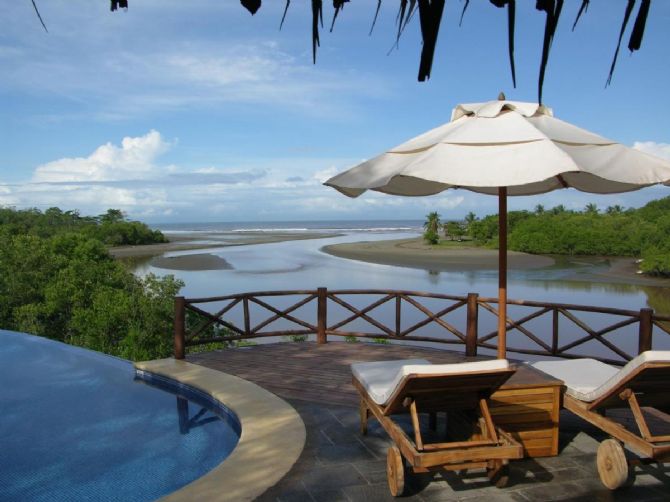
504 148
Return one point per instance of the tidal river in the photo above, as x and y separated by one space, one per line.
301 264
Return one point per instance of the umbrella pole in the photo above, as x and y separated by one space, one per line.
502 272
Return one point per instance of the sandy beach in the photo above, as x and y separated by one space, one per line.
414 253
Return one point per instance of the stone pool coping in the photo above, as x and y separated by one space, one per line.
272 439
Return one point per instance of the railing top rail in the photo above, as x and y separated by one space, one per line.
566 306
423 294
252 293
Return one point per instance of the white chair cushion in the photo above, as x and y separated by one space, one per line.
380 379
588 379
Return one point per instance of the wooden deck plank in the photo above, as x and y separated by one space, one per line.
309 371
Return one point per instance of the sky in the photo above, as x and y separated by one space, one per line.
193 111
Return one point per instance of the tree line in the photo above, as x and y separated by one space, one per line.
643 233
111 228
58 280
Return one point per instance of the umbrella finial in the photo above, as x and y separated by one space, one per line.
501 96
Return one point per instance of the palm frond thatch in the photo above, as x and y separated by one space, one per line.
431 12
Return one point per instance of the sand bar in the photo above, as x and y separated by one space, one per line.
414 253
210 240
200 261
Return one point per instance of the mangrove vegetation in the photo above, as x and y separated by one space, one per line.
643 233
58 280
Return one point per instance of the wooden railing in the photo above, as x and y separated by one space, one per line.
544 329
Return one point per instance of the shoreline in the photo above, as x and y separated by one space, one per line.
414 253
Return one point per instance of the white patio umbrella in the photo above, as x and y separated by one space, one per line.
505 148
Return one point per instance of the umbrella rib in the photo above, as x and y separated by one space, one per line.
562 181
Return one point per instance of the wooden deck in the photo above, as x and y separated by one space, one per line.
309 371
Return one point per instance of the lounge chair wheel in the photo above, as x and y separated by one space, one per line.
612 464
498 474
395 471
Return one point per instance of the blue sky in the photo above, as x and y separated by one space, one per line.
197 111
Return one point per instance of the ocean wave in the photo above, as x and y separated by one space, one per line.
233 229
242 230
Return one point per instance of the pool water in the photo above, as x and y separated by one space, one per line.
79 425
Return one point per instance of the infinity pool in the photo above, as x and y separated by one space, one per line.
79 425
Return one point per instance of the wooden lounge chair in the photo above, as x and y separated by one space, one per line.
414 386
593 387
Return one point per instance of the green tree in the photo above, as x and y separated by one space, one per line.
470 218
112 216
63 284
454 230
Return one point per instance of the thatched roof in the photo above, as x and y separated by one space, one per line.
430 16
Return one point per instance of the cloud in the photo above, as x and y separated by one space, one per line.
116 82
132 176
134 159
658 149
444 202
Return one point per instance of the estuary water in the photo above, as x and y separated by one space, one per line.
302 265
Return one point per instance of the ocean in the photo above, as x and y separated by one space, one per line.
330 226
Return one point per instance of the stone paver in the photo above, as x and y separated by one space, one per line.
338 464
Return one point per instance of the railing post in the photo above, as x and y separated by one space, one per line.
472 325
321 315
554 331
644 341
247 317
179 327
398 313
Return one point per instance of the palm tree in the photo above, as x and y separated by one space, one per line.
470 218
560 209
432 223
432 226
615 209
591 208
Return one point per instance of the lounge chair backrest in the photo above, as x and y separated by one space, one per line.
447 391
648 375
381 379
600 384
432 386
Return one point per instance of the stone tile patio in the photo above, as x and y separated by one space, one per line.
338 464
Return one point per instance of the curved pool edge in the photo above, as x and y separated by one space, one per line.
272 439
